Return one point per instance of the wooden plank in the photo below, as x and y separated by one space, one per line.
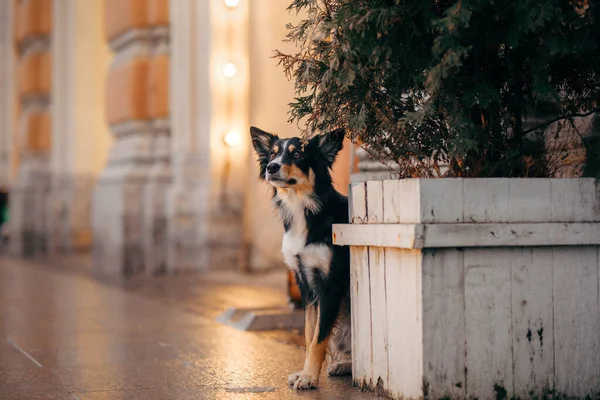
377 280
358 211
362 363
488 323
573 200
441 200
530 200
374 202
381 235
410 210
486 200
355 259
533 325
444 323
392 202
405 329
418 236
502 235
576 321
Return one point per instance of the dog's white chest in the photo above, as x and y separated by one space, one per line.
297 253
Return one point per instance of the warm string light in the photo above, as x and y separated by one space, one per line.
229 70
232 3
232 138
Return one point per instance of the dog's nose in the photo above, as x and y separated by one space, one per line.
272 168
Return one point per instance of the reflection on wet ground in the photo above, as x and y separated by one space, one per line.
64 336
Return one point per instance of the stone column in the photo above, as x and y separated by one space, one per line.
117 201
159 179
128 203
28 195
206 198
80 140
7 93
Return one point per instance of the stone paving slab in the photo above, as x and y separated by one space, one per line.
63 336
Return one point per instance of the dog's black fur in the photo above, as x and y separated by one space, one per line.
308 205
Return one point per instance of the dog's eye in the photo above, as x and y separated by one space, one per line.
272 156
296 154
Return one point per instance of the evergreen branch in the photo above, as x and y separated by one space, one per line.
561 118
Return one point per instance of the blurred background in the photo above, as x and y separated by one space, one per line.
124 132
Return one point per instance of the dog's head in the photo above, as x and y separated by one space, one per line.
287 163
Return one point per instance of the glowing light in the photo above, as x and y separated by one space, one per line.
229 70
232 138
232 3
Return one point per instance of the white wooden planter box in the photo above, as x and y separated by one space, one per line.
475 288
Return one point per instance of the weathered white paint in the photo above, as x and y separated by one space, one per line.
421 236
486 200
532 321
522 208
404 317
576 328
377 277
444 318
488 323
358 199
482 295
362 347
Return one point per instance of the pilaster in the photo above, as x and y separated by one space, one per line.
28 216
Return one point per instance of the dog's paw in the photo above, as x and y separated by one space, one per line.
340 368
306 381
292 378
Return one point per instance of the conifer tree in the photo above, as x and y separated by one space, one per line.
426 83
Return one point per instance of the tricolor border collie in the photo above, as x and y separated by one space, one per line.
308 205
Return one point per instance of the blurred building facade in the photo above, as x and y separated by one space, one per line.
124 131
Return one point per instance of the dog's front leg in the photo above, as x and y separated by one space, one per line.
315 355
310 323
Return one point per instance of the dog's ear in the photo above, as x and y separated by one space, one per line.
262 141
329 144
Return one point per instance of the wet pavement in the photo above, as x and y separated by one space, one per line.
65 336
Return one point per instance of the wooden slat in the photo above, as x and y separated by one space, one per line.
441 200
392 202
530 200
381 235
444 323
358 204
417 236
378 279
533 325
410 211
488 323
405 328
362 363
573 200
576 324
486 200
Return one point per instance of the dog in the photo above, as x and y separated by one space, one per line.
308 205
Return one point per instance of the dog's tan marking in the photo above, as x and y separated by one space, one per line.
309 377
291 148
275 149
310 324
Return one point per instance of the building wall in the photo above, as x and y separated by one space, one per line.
8 94
28 217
